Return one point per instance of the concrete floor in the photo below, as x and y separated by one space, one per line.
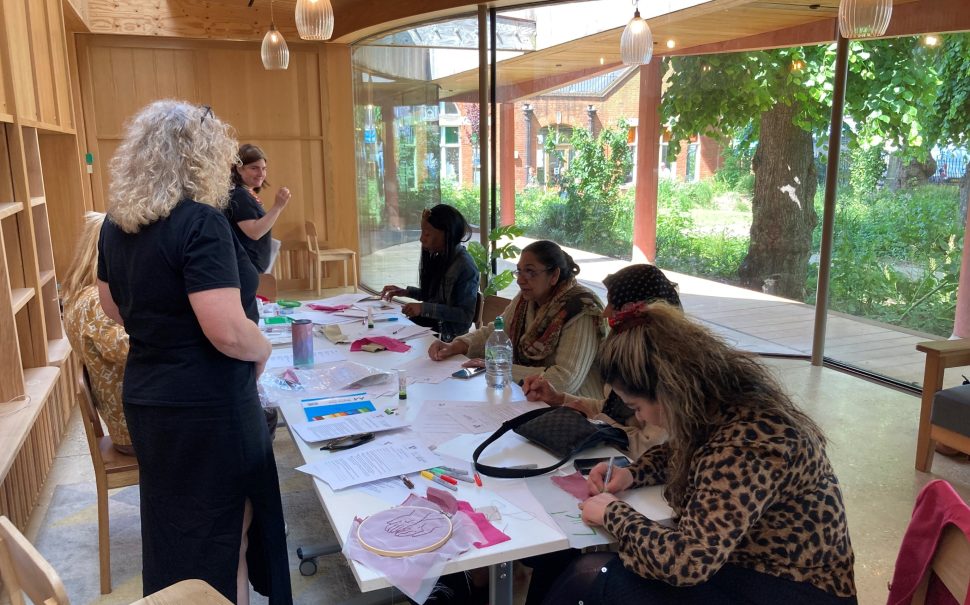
872 437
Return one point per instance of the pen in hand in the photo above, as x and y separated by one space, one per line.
609 473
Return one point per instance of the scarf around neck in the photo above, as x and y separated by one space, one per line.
535 343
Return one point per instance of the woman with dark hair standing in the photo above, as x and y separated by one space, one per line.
447 276
758 512
251 223
555 324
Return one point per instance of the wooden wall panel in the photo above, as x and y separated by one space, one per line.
40 54
301 117
65 200
60 66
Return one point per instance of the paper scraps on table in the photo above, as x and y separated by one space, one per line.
391 344
327 308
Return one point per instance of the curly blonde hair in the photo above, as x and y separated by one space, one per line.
83 271
698 380
172 150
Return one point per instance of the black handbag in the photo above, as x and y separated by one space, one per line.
562 431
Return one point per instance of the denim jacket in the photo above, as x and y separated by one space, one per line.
453 305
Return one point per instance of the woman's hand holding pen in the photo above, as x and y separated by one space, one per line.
537 388
620 479
390 291
443 350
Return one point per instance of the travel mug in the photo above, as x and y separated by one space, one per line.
302 343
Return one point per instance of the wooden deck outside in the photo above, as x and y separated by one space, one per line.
749 320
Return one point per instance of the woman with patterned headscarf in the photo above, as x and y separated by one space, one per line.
626 290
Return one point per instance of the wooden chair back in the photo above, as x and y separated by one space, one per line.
267 286
493 307
479 307
951 564
23 570
111 469
312 244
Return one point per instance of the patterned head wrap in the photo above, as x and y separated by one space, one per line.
640 283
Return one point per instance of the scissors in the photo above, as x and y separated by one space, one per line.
345 443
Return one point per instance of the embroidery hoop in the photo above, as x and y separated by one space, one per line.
436 541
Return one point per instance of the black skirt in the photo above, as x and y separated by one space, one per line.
198 465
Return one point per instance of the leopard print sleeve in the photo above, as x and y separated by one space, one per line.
731 487
651 467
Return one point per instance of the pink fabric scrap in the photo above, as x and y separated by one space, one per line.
492 534
328 308
575 485
391 344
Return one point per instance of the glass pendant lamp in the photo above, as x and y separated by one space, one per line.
314 19
636 43
274 52
864 18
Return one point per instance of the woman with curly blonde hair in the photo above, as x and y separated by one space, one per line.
171 271
758 510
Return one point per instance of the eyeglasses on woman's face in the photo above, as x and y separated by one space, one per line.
530 273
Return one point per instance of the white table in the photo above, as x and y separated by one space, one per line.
528 538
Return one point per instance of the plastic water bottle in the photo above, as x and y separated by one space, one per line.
498 357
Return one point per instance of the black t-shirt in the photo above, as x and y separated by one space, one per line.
244 207
150 275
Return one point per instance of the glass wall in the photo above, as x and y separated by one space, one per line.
417 140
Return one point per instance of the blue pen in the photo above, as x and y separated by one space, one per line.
385 319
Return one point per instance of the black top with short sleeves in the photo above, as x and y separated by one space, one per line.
151 274
244 207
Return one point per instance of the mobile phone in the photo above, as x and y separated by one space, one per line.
468 372
584 465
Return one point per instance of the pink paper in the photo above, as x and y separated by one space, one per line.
575 485
391 344
328 308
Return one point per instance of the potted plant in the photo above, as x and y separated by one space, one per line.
493 284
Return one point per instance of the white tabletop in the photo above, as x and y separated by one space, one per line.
528 537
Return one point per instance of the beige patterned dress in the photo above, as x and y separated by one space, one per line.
103 346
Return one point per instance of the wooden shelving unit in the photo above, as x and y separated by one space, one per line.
40 177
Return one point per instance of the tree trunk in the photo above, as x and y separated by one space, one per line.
964 197
783 207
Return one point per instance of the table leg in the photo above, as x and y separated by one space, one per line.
500 584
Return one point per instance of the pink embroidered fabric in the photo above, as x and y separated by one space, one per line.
391 344
328 308
576 485
416 575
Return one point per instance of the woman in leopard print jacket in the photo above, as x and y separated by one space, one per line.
759 516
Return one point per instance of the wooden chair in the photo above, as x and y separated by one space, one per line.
111 469
24 571
493 307
192 592
267 286
940 354
319 256
479 307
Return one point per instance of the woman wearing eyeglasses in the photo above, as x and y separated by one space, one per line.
555 324
253 224
447 276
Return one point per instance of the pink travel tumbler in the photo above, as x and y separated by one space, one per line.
302 343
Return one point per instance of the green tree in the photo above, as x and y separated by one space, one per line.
782 98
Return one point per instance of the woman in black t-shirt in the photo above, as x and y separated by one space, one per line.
170 270
251 223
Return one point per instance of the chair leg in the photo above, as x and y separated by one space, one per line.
346 283
353 267
319 269
104 541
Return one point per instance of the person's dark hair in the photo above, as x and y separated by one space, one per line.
553 257
433 265
248 153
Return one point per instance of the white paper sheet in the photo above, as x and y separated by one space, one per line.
563 508
340 299
390 457
331 428
427 370
283 358
472 417
321 318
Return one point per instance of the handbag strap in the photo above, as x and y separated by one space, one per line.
519 473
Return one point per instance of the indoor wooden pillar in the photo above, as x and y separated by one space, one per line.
648 159
506 162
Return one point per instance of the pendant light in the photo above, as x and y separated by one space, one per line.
864 18
314 19
636 43
274 52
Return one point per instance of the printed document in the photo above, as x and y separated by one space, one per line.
388 457
341 426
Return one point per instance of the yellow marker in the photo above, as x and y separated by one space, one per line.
431 477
